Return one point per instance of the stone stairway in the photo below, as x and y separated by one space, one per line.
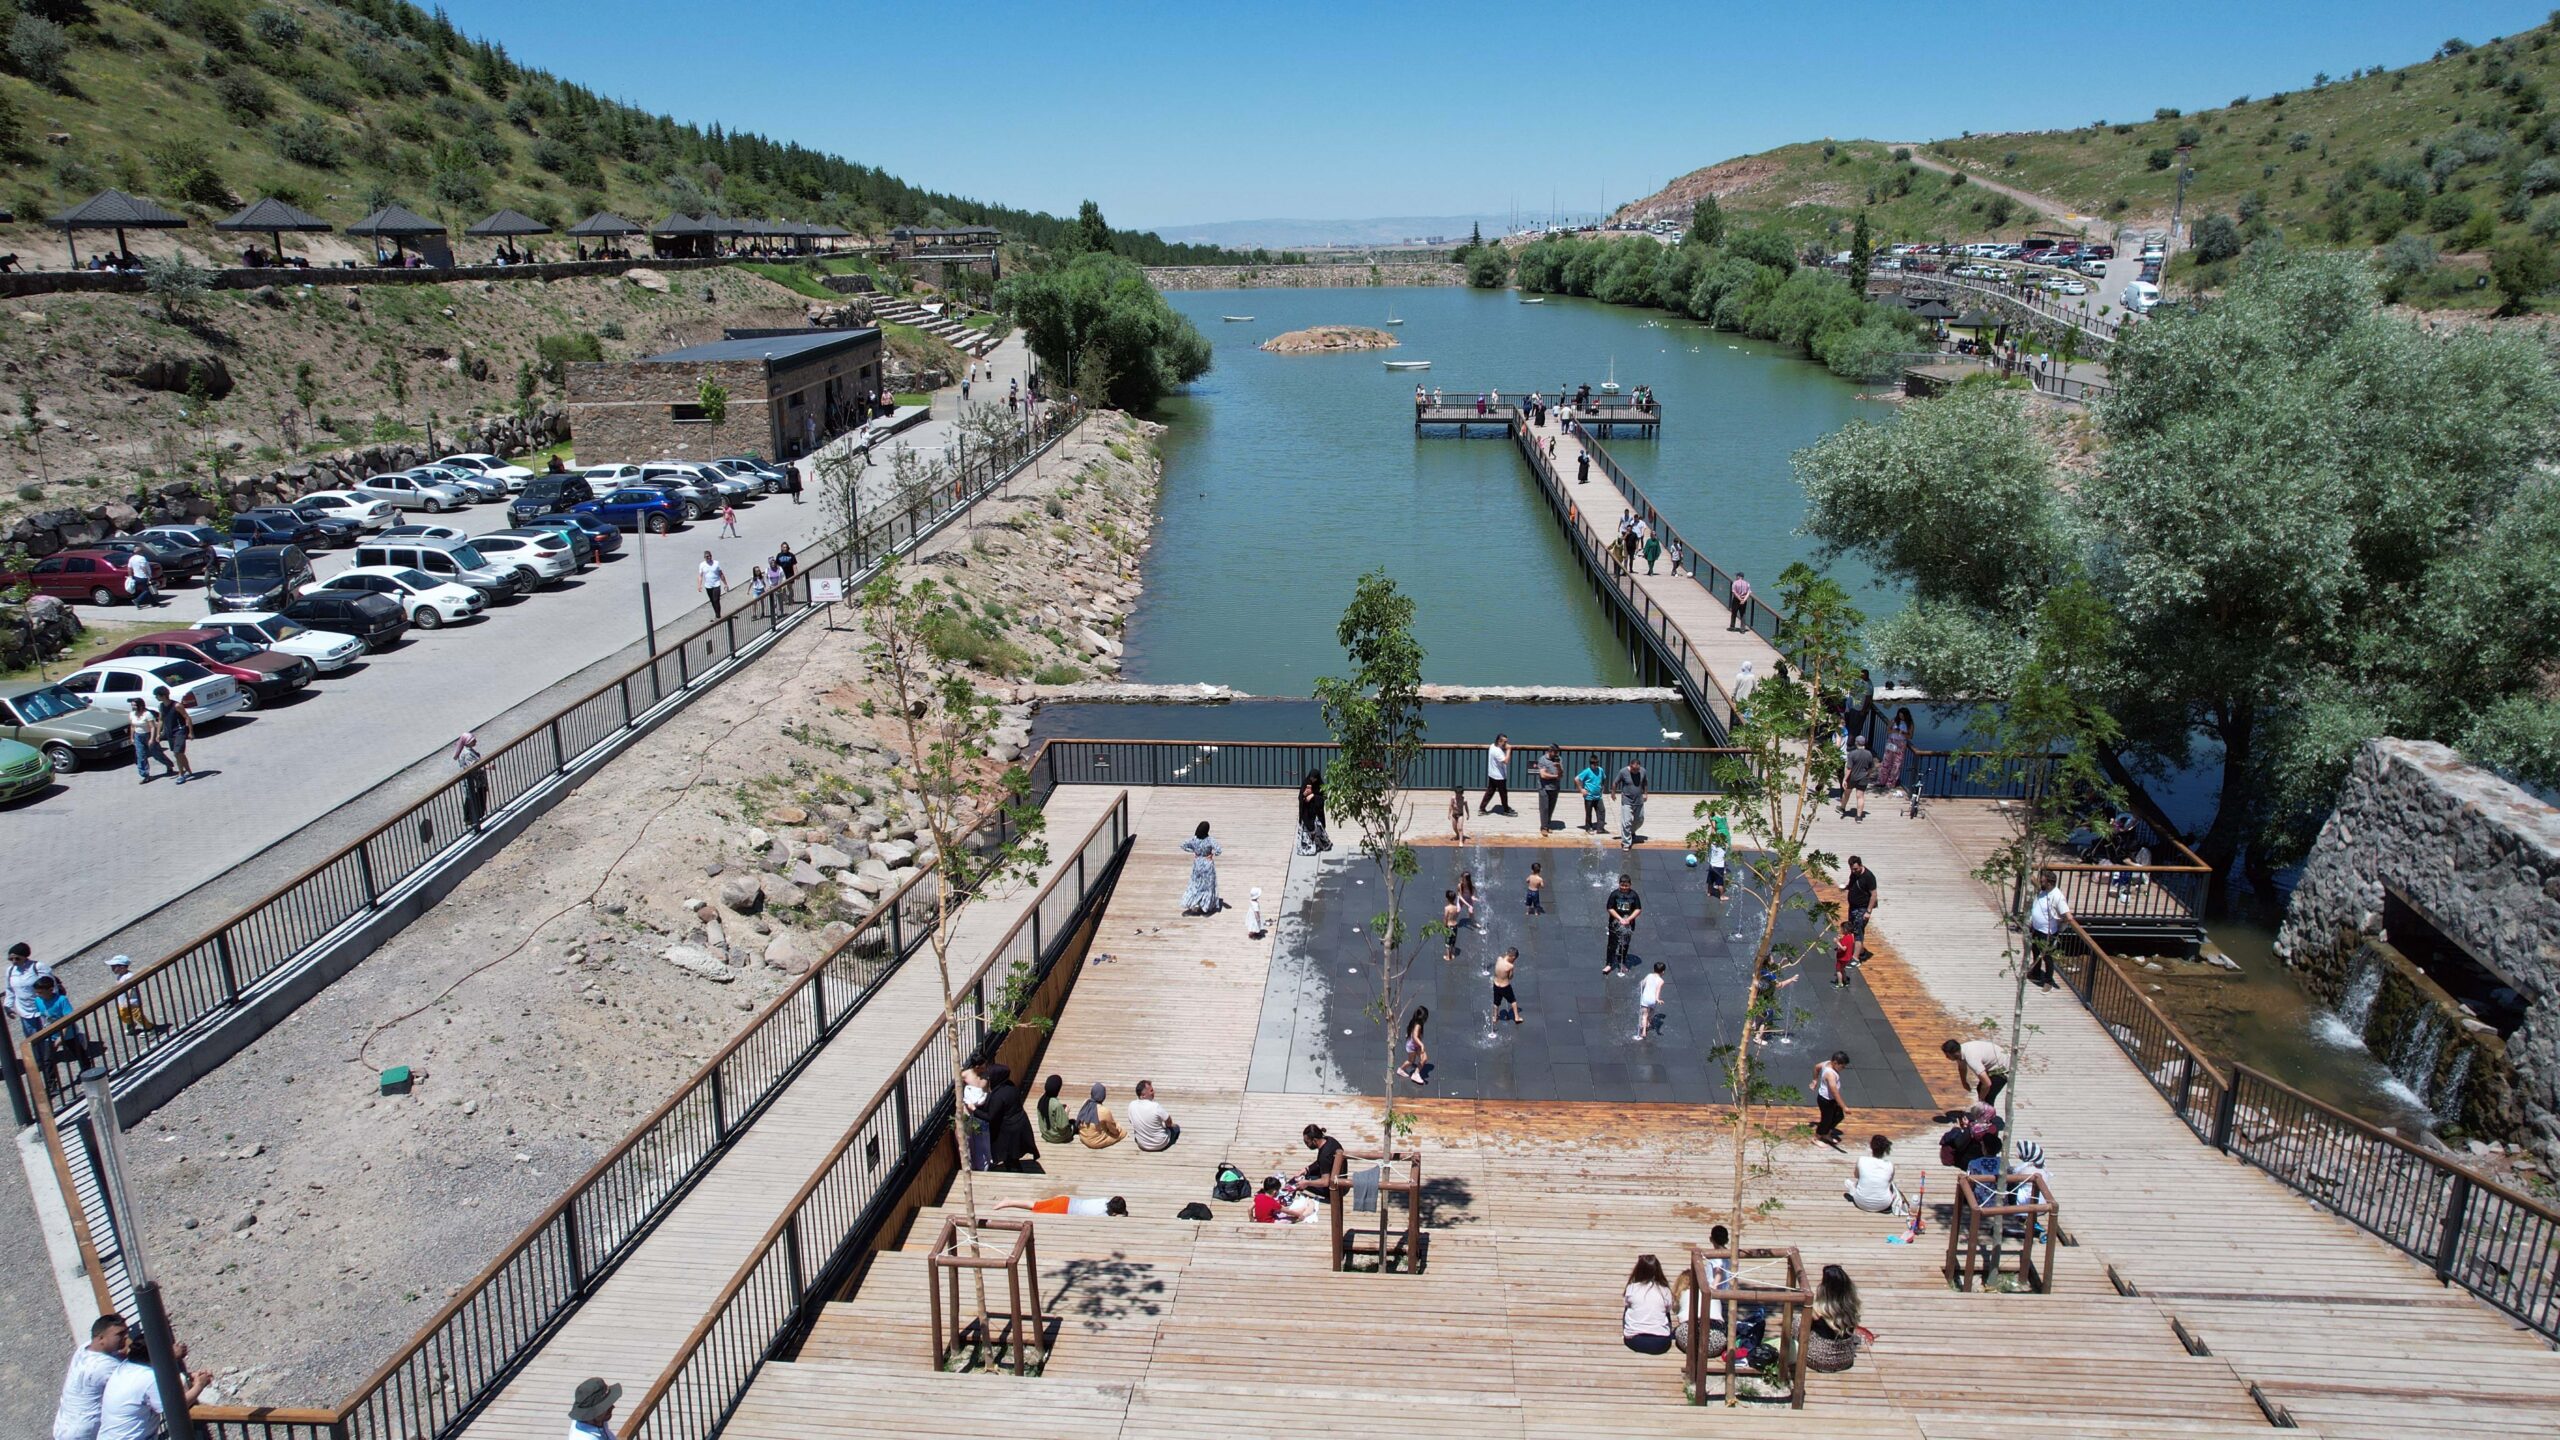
977 344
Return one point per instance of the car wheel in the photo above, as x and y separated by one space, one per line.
657 524
434 506
101 595
61 758
248 699
426 618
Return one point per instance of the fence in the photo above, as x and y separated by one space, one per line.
1763 618
2501 1246
2061 387
808 1253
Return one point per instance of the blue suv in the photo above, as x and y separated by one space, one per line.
635 507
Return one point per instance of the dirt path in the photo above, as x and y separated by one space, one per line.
2044 205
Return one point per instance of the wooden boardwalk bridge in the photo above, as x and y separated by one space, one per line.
1494 410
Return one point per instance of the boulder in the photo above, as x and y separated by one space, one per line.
175 374
803 873
789 951
787 815
742 893
782 894
892 853
647 279
694 960
828 857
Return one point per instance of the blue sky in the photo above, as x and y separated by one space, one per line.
1208 111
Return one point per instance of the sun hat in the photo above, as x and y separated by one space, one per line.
594 1400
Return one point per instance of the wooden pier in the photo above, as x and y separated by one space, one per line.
1493 411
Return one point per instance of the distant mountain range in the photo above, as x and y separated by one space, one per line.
1309 234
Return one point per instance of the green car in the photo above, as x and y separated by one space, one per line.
23 771
60 724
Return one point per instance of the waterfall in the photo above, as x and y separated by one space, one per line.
2364 983
2445 1102
2413 1059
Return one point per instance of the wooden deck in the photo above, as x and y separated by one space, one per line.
1173 1327
634 1323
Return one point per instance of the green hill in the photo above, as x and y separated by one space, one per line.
337 107
2455 158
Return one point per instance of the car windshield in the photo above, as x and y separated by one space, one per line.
228 648
256 567
280 628
468 557
50 703
414 579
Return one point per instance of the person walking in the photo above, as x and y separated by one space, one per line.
710 579
1741 605
1497 776
1830 1098
1593 781
1861 894
76 1416
1582 468
786 562
728 521
1622 909
2044 927
1417 1055
1550 773
146 741
1653 553
26 1006
1200 897
1857 779
1677 555
1506 966
1449 924
1537 889
1649 1002
138 573
1311 836
1631 791
175 731
792 471
756 591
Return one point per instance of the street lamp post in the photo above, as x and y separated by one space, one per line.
107 1135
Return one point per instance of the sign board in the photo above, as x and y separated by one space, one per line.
825 590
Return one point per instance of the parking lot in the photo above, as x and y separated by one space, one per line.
122 848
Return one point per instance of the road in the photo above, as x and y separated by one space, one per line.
110 850
2123 270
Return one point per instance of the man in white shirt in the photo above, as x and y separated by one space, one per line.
137 570
76 1418
1982 1066
709 579
591 1409
2044 927
1497 777
24 972
129 1406
1150 1124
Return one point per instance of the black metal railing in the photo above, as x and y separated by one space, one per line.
1758 614
806 1255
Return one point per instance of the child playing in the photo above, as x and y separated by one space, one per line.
1458 816
1467 900
1253 915
1844 955
129 1011
1449 921
1537 889
1649 1001
1715 869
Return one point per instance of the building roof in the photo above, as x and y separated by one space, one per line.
913 232
115 210
679 223
790 345
605 222
272 216
395 221
509 222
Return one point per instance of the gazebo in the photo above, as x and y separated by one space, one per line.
508 224
680 236
605 226
117 211
721 227
396 224
272 217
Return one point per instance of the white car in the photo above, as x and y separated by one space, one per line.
112 685
544 552
473 484
2065 285
407 492
601 478
369 511
425 531
427 601
490 466
327 650
2140 296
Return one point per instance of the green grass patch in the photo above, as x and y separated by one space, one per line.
539 460
1058 674
978 643
795 278
912 397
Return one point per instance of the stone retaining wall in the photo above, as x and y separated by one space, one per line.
2481 858
1301 277
126 282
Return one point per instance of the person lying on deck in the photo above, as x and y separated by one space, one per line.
1068 1205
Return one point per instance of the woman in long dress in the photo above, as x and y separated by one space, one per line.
1897 748
1201 897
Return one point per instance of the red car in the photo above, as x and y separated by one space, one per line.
96 576
265 675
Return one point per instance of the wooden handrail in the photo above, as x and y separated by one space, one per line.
1117 811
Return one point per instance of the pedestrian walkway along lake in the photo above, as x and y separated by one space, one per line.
1286 476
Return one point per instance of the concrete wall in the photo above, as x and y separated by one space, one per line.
2482 859
623 411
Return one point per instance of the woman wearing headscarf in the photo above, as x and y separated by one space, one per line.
1095 1129
1311 836
1057 1122
1010 1143
1201 896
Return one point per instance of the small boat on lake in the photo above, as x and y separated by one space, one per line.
1408 364
1391 316
1235 317
1533 299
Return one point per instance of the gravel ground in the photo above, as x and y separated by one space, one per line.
306 1225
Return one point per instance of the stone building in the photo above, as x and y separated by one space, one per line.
788 391
2428 918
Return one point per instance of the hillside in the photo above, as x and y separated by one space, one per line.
2460 153
337 108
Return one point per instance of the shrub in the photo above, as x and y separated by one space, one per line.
555 352
1058 674
2160 158
243 96
2447 211
37 49
186 171
180 288
308 140
2298 141
2406 258
2217 238
279 28
2165 112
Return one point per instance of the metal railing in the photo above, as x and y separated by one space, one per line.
2498 1244
2030 297
1621 409
2156 894
2045 382
811 1249
1759 615
196 984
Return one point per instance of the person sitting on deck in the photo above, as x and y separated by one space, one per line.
1316 1179
1095 1128
1835 1334
1150 1124
1057 1122
1645 1322
1282 1202
1068 1205
1969 1139
1872 1187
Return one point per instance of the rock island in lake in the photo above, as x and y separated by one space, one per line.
1329 339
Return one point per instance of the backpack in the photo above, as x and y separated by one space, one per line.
1196 1211
1230 1184
1951 1146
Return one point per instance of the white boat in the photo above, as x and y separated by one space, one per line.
1235 317
1391 316
1533 299
1610 385
1408 364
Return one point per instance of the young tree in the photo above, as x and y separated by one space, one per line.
948 787
1375 717
1706 224
1862 256
1772 784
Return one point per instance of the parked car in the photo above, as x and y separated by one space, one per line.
377 620
95 576
545 552
427 601
111 685
279 527
607 539
609 477
206 541
2102 252
407 492
367 511
683 487
583 546
2140 296
268 675
329 651
24 770
458 561
549 495
638 507
717 478
61 724
772 477
175 560
509 477
472 482
2094 269
424 532
260 577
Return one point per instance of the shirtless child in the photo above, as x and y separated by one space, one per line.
1504 966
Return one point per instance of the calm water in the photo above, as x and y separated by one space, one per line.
1286 476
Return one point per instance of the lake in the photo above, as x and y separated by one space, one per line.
1287 476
